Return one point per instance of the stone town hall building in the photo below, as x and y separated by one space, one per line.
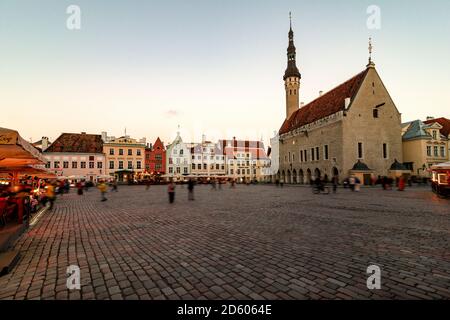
354 129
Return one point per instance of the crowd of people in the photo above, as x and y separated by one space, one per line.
353 183
35 194
31 194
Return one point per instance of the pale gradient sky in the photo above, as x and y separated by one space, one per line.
211 66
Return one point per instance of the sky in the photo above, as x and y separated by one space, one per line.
211 67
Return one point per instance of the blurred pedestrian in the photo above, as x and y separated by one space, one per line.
335 182
401 184
171 191
79 188
191 189
351 182
114 185
357 185
102 187
50 193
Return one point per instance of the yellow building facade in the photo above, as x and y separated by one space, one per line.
423 146
125 158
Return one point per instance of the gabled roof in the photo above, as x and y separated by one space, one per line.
444 122
415 130
326 105
76 142
158 143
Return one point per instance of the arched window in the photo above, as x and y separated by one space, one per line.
290 92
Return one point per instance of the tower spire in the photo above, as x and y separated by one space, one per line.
291 75
292 70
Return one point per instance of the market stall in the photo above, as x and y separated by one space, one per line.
17 158
440 179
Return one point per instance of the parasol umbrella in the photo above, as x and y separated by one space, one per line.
15 151
26 171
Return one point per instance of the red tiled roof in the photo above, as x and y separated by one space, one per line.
79 143
326 105
444 122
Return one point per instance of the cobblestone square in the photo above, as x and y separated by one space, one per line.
251 242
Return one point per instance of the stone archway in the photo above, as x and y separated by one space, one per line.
317 173
308 176
283 177
289 177
301 177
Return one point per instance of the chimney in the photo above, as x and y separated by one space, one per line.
203 138
104 136
44 143
347 102
302 104
83 133
320 93
430 118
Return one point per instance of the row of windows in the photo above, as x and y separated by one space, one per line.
74 165
175 151
436 152
178 161
313 154
130 165
130 152
205 166
241 171
158 167
206 157
157 156
178 170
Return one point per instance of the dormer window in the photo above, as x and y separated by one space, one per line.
434 134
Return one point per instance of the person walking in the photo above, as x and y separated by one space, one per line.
357 185
171 191
50 193
351 182
335 182
114 185
102 187
79 188
191 189
401 184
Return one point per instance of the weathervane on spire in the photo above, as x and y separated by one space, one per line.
290 20
370 50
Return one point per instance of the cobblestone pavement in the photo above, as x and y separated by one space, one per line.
251 242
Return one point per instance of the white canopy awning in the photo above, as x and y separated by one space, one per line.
445 165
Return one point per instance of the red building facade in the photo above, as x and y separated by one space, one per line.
155 158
